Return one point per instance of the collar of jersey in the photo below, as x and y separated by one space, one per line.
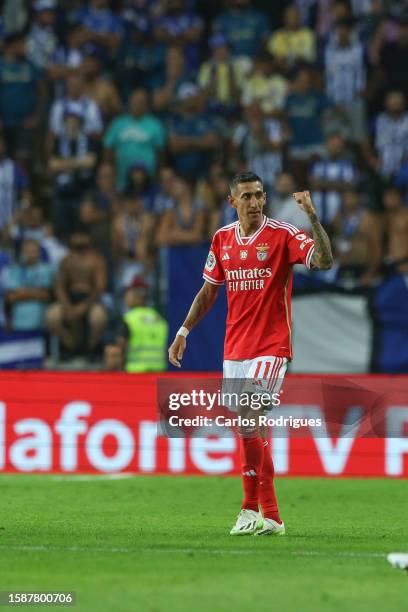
251 238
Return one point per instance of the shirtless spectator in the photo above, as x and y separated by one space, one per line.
78 318
396 227
357 238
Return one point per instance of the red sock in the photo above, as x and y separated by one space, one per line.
251 462
267 497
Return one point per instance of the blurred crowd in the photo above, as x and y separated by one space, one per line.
122 122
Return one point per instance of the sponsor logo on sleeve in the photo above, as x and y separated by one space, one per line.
211 262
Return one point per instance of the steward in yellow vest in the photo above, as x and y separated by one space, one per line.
145 332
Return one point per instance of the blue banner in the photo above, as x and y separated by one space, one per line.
390 311
22 350
206 342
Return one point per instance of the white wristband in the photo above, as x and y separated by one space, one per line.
183 331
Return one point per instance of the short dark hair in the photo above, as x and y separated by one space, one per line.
244 177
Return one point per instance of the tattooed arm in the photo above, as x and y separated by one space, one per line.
202 303
322 257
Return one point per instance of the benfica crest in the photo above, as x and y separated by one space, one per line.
262 251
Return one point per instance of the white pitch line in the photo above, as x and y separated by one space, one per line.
192 551
69 477
89 477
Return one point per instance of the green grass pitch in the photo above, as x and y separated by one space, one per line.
159 544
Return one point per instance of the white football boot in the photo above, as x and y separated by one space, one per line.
248 522
270 527
399 560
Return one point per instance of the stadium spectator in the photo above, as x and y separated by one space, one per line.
28 224
137 15
345 74
99 88
178 26
140 59
336 119
28 289
97 223
78 317
309 10
222 213
71 165
22 97
305 110
176 73
259 142
53 249
338 12
370 15
192 134
265 85
139 183
357 238
42 40
157 201
161 199
393 56
280 205
75 97
14 15
68 56
330 12
134 137
128 240
14 187
184 223
391 135
245 28
330 176
105 193
113 358
142 340
103 27
127 230
222 76
293 42
396 230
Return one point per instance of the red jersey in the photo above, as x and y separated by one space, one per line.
258 273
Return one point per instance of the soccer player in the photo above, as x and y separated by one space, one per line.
254 256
